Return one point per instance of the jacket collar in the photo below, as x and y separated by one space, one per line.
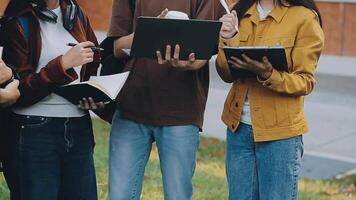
30 11
277 13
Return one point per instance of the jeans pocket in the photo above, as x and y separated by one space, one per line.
33 121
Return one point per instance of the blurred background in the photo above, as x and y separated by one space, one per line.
329 163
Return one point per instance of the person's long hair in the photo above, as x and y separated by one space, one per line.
243 5
16 6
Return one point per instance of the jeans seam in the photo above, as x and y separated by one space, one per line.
68 141
255 174
141 167
295 176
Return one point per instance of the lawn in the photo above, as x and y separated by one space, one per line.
209 179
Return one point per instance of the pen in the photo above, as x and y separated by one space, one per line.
226 7
92 48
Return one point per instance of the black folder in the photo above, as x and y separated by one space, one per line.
276 56
194 36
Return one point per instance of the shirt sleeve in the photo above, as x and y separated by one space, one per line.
121 22
305 55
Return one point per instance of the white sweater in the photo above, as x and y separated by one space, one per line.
54 40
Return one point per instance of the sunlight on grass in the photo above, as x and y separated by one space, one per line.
209 180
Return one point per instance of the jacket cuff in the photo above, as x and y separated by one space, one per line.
57 74
273 81
227 42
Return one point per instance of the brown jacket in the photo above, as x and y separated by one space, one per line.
24 55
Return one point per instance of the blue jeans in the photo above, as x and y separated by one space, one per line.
54 158
262 170
130 147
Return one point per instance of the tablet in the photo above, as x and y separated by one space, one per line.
194 36
276 56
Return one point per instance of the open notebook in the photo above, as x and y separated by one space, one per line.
100 88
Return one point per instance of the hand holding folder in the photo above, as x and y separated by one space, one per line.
193 36
249 62
100 88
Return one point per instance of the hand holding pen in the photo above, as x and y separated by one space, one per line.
226 7
79 55
93 48
230 22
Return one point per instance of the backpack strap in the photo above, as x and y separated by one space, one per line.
24 23
132 4
81 16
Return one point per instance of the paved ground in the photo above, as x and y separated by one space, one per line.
330 149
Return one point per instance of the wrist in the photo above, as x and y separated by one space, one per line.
266 75
229 37
64 63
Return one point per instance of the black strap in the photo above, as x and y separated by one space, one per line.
25 24
81 16
132 4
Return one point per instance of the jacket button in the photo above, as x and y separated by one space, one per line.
268 84
236 104
233 126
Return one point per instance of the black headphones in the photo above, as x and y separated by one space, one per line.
48 15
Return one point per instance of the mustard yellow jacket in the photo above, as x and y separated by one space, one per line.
277 104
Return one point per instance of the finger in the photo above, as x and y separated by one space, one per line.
88 55
100 105
236 20
159 58
81 105
228 27
163 13
176 55
246 58
230 21
13 85
240 62
87 50
267 64
266 61
92 104
87 44
253 64
192 58
168 52
235 16
85 104
251 61
88 60
235 64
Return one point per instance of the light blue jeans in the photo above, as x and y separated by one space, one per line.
262 170
130 147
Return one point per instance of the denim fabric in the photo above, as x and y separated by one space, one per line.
263 170
54 158
130 147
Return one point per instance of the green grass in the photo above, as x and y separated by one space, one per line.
209 179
